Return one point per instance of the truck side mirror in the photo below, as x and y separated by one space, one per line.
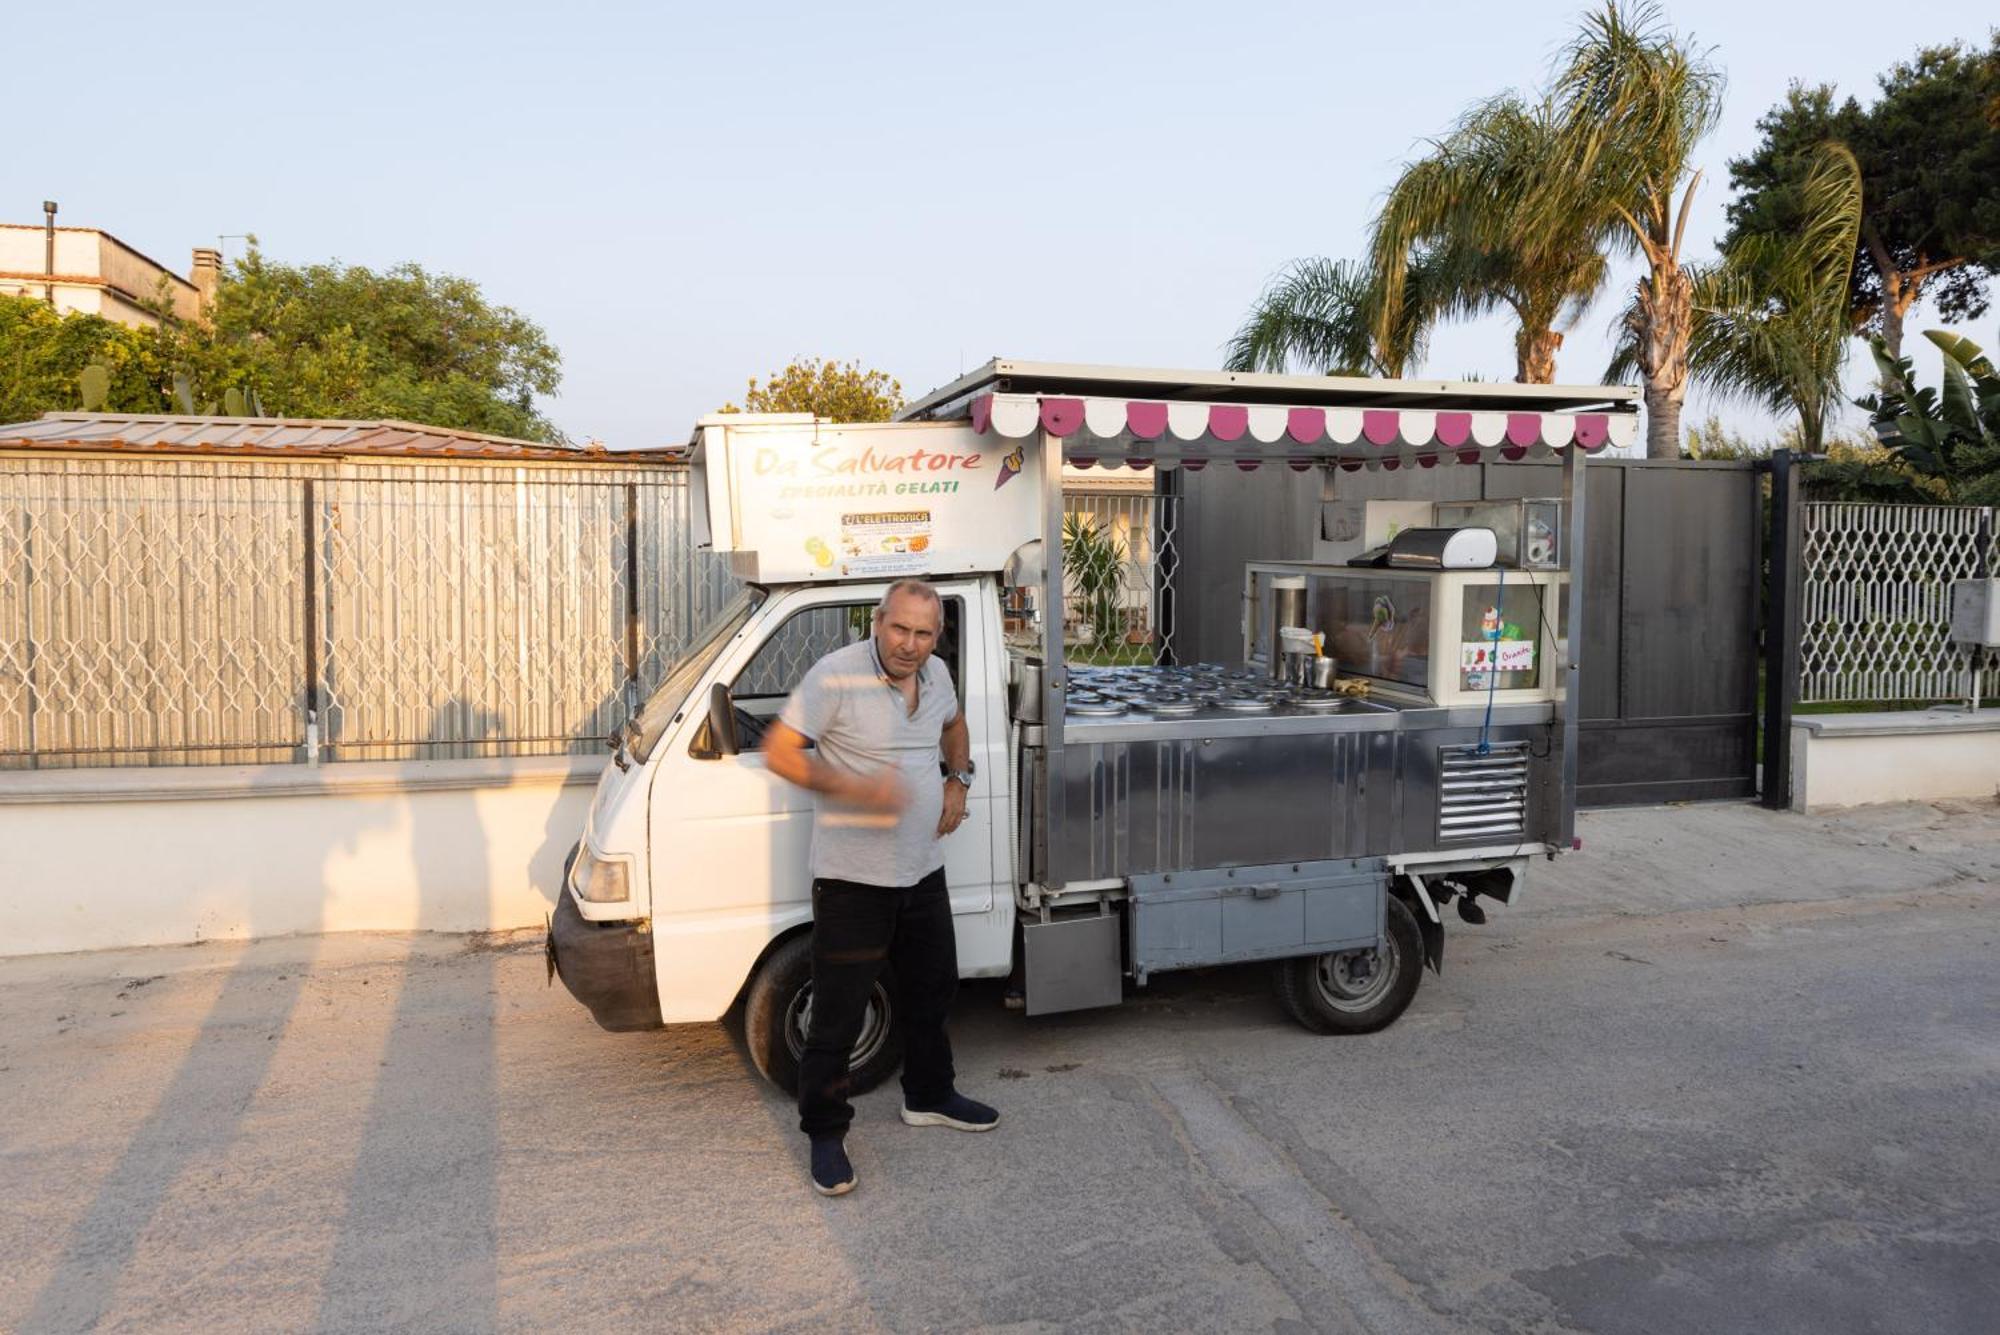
721 722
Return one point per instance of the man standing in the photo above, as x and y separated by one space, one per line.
875 715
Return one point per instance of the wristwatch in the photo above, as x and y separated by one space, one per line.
964 776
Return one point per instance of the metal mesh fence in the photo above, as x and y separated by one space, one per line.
165 612
149 616
187 612
1875 601
1120 558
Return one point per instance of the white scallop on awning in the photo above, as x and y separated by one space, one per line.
1142 433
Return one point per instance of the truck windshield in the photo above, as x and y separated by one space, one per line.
659 711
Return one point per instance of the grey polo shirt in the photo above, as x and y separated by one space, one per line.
859 722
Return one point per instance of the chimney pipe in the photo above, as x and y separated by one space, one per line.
206 274
49 250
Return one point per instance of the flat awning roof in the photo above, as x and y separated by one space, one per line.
1116 415
1006 376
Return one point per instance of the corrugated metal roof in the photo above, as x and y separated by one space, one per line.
266 436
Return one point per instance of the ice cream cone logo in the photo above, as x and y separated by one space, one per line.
1008 467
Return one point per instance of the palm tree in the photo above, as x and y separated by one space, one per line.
1634 102
1317 312
1322 314
1769 320
1515 209
1478 212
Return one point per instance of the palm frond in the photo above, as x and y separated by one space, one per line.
1770 321
1315 314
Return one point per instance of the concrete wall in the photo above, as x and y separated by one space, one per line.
1841 760
95 859
125 268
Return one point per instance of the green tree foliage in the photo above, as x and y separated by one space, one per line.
1315 314
326 340
1713 439
1094 562
842 392
341 341
1769 318
1949 436
1635 101
1473 215
1516 209
43 357
1929 151
1320 315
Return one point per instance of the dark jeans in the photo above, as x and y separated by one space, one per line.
857 929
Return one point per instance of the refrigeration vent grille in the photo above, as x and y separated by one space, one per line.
1483 798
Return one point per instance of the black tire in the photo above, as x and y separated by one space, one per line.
779 1005
1323 993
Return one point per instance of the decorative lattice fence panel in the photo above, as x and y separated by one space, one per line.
1120 557
165 611
1875 600
181 611
149 615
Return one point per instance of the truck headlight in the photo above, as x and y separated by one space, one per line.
601 880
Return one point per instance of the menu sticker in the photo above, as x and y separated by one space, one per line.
885 542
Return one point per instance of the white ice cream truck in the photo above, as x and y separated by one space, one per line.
1123 821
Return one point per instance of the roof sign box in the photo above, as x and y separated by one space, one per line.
791 499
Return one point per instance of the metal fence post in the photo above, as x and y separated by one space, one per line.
631 599
309 527
1781 632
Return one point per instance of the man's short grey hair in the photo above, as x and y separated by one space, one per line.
917 588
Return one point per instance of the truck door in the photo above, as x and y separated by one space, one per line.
731 841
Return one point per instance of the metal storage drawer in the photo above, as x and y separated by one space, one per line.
1182 920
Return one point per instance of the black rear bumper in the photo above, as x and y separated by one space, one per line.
606 966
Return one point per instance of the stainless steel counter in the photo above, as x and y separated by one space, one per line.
1209 783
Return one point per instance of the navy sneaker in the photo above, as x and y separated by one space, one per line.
956 1111
832 1174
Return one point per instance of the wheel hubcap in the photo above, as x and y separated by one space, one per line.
874 1025
1354 980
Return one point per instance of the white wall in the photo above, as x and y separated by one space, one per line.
95 859
1841 760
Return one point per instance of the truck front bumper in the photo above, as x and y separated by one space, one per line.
606 966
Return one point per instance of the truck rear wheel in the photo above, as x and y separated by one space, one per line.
778 1013
1356 991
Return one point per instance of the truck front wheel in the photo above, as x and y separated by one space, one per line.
1356 991
778 1013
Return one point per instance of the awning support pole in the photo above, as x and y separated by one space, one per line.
1569 709
1055 685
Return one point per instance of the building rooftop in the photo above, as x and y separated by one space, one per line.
292 437
126 246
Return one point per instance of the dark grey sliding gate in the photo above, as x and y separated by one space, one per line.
1673 561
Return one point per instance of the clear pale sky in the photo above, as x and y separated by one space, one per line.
687 195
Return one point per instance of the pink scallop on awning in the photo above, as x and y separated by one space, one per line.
1146 420
1061 416
1258 432
1228 421
1380 426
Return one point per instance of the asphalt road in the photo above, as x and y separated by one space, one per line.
1725 1071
